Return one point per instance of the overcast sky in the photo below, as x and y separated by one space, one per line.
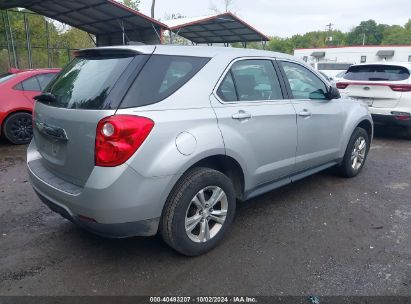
285 18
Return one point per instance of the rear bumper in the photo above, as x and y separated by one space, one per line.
139 228
114 202
380 119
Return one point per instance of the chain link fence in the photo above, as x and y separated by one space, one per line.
29 41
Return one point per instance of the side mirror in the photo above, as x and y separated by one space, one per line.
333 93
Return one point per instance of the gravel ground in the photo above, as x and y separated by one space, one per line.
324 235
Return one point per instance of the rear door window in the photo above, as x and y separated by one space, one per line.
30 84
161 77
256 80
44 79
227 91
375 72
250 80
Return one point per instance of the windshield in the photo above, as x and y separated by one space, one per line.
377 72
5 77
86 82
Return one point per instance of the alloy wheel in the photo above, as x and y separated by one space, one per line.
206 214
358 153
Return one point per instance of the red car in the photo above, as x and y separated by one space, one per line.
17 89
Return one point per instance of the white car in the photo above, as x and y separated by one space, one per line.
385 88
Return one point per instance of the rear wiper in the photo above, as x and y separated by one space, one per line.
45 98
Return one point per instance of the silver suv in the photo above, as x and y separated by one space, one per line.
134 140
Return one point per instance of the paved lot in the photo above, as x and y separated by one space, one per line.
324 235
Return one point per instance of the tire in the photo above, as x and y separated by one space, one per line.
18 128
347 167
183 204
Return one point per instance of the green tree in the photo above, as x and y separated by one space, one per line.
283 45
397 34
133 4
368 32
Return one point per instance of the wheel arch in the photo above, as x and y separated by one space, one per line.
228 166
367 126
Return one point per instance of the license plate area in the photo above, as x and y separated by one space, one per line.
365 100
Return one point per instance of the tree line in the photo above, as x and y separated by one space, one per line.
367 32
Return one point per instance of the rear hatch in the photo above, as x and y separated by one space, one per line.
90 88
377 85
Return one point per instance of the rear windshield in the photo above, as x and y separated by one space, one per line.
377 73
162 76
86 82
5 77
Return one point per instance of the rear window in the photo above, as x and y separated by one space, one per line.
5 77
377 73
161 77
87 81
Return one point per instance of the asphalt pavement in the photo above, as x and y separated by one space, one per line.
323 235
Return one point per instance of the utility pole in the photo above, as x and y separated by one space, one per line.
153 6
329 28
363 39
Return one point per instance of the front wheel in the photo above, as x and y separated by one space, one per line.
355 154
198 212
18 128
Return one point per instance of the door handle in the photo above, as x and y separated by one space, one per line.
305 113
241 115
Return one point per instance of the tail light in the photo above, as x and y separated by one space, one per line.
341 85
118 138
401 87
401 115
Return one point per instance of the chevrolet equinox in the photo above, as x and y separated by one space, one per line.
135 140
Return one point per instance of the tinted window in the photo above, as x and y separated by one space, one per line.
31 84
44 79
256 80
5 77
227 91
161 77
377 73
304 84
87 81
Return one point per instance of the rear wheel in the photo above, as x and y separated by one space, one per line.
355 154
18 128
198 212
